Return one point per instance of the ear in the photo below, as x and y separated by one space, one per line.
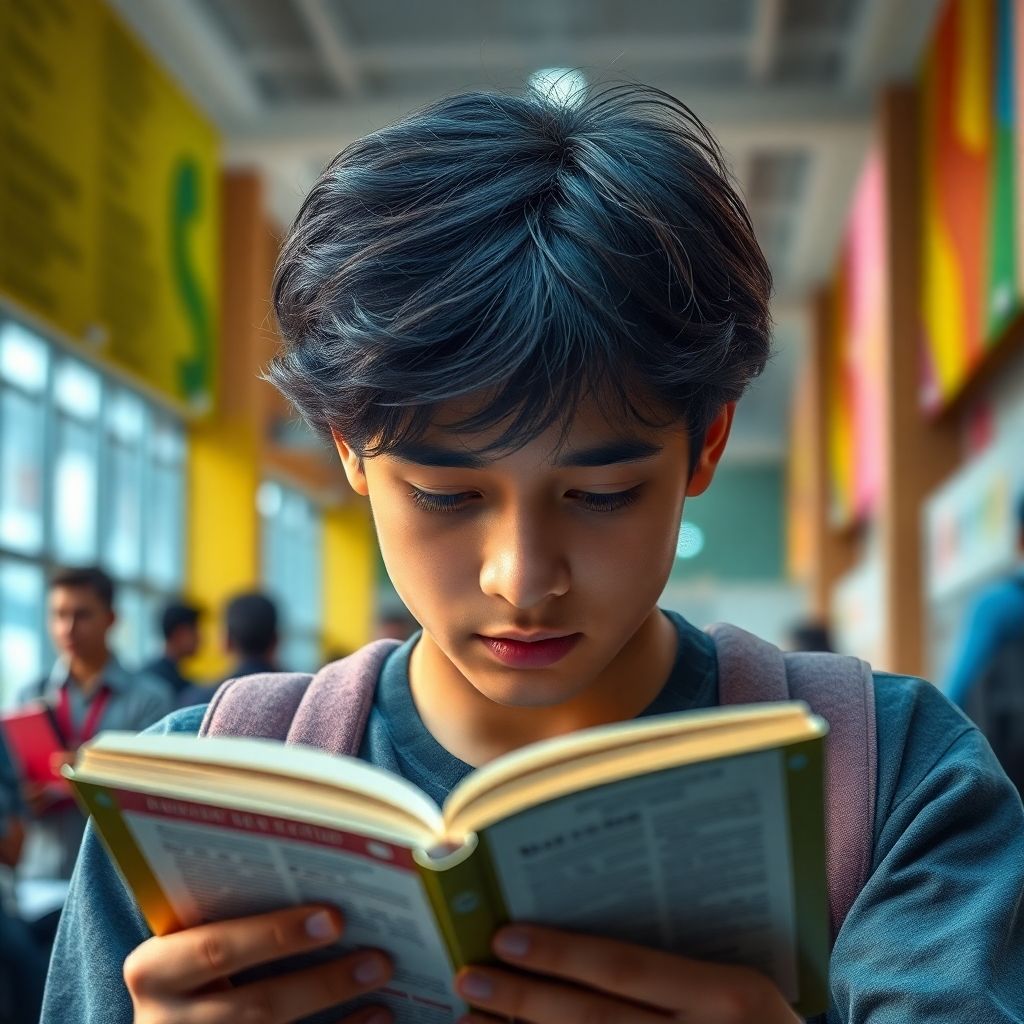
352 464
714 447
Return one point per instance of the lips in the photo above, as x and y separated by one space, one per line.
540 651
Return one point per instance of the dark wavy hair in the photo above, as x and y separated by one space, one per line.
531 252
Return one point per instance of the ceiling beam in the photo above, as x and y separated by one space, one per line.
887 42
775 117
598 54
331 41
822 212
197 55
765 39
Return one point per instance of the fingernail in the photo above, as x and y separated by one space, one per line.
368 971
379 1017
321 926
512 942
476 986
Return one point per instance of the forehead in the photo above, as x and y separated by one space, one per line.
591 424
78 596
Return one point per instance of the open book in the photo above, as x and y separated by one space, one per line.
699 833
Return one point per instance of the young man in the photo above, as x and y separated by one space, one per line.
89 690
525 326
987 674
994 621
251 633
179 625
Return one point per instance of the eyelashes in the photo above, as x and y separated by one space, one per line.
439 502
592 502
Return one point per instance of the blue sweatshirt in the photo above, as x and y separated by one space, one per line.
995 618
936 935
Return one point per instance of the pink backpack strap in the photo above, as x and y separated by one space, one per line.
329 710
841 690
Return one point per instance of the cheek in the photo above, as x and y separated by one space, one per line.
426 561
634 559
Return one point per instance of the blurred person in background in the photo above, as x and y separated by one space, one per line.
179 624
88 691
251 627
811 634
23 961
395 624
251 638
987 674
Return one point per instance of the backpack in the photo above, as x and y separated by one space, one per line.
996 706
330 710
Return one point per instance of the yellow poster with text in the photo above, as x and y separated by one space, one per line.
109 204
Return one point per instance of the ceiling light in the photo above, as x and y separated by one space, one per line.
562 86
691 541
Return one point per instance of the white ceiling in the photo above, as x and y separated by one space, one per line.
788 86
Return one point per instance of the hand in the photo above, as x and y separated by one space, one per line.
572 979
184 977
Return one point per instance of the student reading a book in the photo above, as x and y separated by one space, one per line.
525 323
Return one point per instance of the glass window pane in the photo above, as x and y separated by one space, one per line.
75 493
131 633
164 552
122 547
21 472
292 570
167 441
22 593
24 358
126 416
76 389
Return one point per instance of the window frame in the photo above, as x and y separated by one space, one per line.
158 414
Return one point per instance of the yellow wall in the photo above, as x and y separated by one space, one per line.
223 528
350 571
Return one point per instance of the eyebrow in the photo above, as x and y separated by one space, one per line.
610 454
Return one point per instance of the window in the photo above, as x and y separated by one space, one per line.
90 472
292 574
24 366
22 643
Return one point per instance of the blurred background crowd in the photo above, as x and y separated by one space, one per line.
165 521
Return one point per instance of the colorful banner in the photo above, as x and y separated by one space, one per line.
108 196
971 274
857 348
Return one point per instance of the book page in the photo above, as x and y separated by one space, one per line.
693 859
214 863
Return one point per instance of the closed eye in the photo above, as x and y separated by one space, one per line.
595 502
590 500
440 502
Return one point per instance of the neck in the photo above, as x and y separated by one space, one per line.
476 729
86 672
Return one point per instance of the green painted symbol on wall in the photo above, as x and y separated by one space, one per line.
195 369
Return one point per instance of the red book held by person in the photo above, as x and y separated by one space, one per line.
33 738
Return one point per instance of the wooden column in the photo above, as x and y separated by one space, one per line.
917 452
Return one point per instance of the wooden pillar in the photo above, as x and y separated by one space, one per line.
917 452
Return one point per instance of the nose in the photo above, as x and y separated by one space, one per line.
524 561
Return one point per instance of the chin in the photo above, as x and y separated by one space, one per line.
525 688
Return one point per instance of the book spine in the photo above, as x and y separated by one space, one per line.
102 805
803 764
468 905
